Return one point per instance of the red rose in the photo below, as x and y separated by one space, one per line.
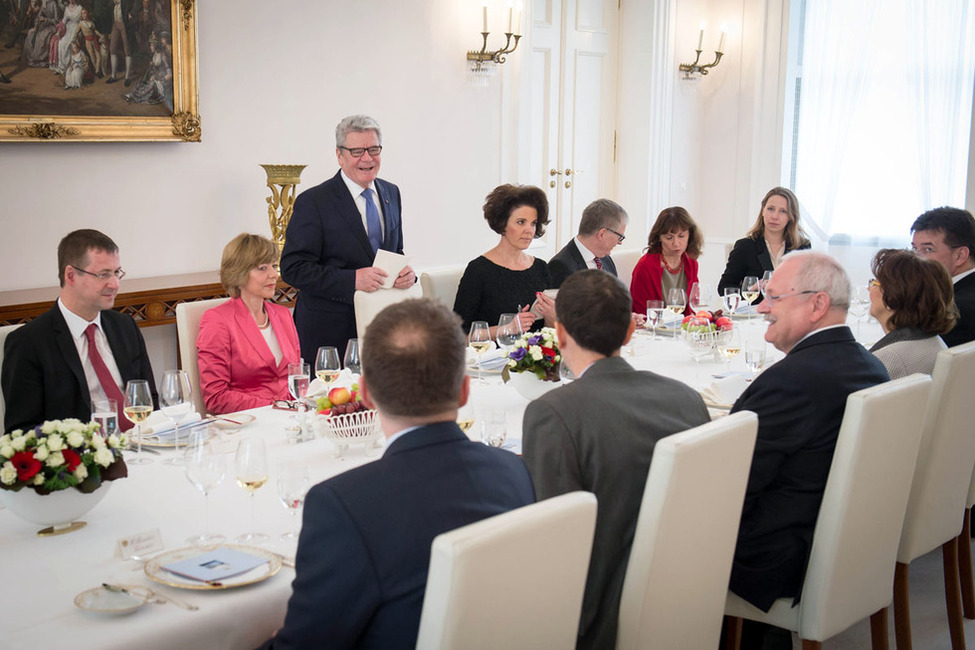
548 353
71 459
27 466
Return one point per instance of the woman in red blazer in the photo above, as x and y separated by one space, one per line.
246 344
673 247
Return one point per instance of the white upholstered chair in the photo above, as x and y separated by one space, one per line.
188 316
854 548
4 331
677 576
442 284
625 262
965 556
941 486
513 581
369 303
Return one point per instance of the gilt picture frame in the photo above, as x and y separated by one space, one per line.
123 71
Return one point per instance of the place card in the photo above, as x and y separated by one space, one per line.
139 545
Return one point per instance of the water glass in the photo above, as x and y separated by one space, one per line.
655 313
176 399
731 299
755 356
104 413
205 469
293 485
494 428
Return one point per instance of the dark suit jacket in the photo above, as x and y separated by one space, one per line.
800 403
748 257
964 329
364 551
325 244
598 434
43 378
569 260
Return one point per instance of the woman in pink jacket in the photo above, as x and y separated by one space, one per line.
246 344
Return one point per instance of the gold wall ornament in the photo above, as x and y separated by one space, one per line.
44 130
187 9
187 126
281 179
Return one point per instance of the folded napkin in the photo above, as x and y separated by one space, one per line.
158 425
318 388
490 360
725 391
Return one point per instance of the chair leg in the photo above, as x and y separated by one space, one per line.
902 607
811 645
732 633
878 630
949 552
965 566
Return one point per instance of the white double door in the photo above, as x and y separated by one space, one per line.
572 109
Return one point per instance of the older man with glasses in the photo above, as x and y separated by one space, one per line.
800 403
80 350
333 236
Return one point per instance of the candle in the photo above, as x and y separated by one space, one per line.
510 12
700 38
518 20
484 29
721 42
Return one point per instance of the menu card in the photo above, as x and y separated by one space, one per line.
216 565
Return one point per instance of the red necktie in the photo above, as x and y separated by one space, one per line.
105 377
599 264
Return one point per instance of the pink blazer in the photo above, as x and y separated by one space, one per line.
237 370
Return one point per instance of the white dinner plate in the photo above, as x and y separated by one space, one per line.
109 603
234 420
154 568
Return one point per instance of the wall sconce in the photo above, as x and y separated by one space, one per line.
690 69
483 63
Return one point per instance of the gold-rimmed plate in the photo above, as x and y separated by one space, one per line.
234 421
109 602
170 443
154 568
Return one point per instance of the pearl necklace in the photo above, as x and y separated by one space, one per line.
267 322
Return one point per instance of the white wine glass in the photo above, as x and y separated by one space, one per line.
176 399
729 344
731 299
327 366
479 341
293 484
351 359
250 469
750 289
138 407
205 469
508 332
677 303
655 312
700 296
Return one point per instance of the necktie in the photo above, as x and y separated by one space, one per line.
372 220
599 264
105 377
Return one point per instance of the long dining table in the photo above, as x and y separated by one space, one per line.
42 575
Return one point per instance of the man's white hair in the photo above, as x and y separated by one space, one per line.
357 124
820 272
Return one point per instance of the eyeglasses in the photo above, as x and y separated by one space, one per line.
873 282
622 237
773 299
357 152
104 276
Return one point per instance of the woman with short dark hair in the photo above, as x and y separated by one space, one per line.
506 278
913 299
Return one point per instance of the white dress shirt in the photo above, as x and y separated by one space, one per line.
77 326
360 203
587 254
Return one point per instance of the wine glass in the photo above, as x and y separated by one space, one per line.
327 367
700 296
205 469
298 387
750 288
250 467
351 359
138 406
104 413
763 283
655 312
859 306
495 428
509 329
293 484
176 399
729 344
479 341
699 338
677 301
731 299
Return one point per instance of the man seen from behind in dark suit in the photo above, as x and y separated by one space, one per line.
364 549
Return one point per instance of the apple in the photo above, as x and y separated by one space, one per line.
339 395
724 323
324 411
703 314
687 319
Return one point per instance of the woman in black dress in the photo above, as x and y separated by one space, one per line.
506 278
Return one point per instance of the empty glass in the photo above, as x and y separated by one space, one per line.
351 359
508 332
293 484
495 428
859 305
176 399
104 413
731 299
205 469
755 356
700 296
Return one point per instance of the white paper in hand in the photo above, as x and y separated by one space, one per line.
392 264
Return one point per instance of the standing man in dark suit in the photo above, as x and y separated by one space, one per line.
947 235
598 434
800 403
79 350
602 228
364 550
334 233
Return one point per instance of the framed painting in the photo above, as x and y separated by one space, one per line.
98 71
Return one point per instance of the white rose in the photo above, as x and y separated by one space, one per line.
56 459
75 439
41 453
18 443
512 363
104 457
30 435
5 439
39 478
535 352
81 472
98 442
8 473
7 451
114 441
50 427
55 442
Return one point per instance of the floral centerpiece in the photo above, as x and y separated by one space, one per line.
537 353
58 455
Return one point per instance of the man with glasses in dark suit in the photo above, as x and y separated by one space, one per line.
602 228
